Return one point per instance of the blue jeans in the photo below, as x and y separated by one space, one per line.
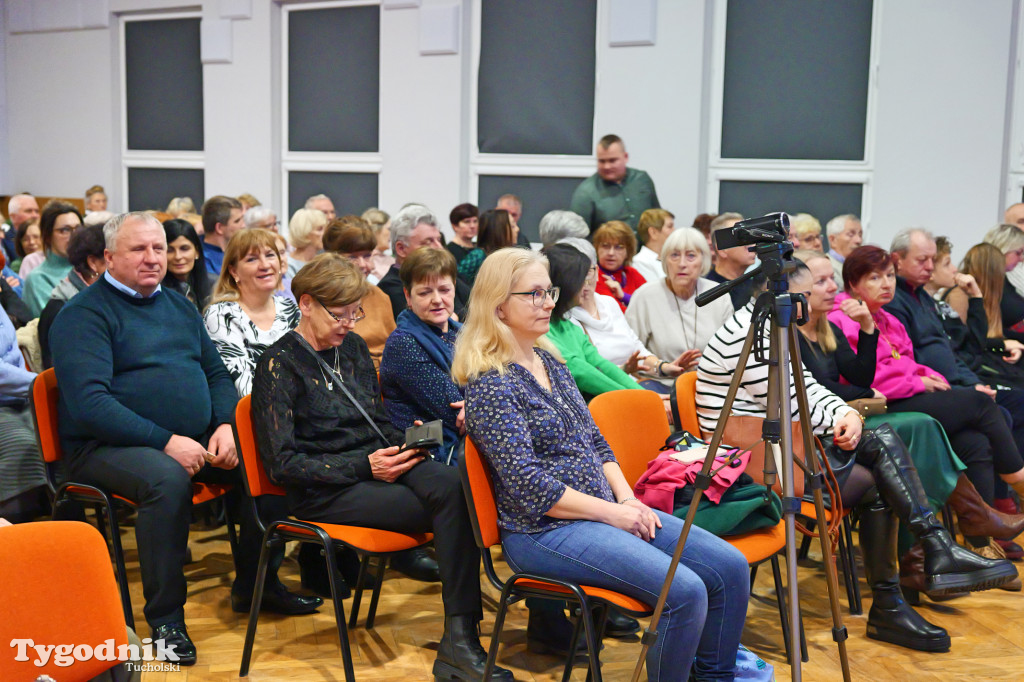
706 605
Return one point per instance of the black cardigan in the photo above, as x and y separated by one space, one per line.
857 368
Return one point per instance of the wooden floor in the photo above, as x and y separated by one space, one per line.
987 630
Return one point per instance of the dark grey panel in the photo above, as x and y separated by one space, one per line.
796 79
164 80
539 196
334 79
153 188
536 84
350 192
822 200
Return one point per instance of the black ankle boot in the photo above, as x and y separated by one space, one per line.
549 632
460 656
417 564
891 619
950 567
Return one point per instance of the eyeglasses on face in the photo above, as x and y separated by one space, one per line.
537 295
351 319
66 230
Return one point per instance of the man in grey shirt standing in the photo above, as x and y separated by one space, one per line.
614 192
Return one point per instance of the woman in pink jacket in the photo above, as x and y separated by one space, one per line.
976 428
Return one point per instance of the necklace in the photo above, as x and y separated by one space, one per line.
892 349
337 371
682 322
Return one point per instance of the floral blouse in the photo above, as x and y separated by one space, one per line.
240 342
536 443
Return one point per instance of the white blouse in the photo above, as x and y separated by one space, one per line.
240 342
610 334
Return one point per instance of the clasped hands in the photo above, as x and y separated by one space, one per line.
634 517
191 455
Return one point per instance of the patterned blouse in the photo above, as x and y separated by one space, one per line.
536 443
240 342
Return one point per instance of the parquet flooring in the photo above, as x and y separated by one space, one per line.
987 631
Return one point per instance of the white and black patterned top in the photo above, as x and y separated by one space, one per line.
240 342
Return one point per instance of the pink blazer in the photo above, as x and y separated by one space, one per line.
894 377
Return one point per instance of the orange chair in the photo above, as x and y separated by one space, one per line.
366 542
633 424
45 394
56 588
483 512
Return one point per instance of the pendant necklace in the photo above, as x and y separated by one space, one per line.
337 371
682 322
892 349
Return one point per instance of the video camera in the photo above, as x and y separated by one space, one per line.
770 228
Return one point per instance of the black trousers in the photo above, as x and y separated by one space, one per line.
426 499
163 491
976 429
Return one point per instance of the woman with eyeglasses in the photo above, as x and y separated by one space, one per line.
324 436
352 237
57 223
616 245
664 313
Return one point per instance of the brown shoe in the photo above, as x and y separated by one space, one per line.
993 551
977 519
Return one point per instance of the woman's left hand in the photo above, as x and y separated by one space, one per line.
460 418
650 519
847 431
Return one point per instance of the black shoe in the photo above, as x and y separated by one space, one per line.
277 600
952 568
897 623
549 632
619 624
313 570
417 564
177 642
460 656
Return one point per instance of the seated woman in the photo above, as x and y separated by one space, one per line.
465 220
352 237
284 289
881 481
339 467
56 224
564 507
664 313
29 240
85 253
497 231
306 234
1009 239
616 245
558 225
186 264
380 222
415 372
807 229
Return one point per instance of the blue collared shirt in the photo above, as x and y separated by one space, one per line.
214 257
835 254
127 289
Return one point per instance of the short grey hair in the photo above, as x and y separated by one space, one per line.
901 242
96 218
687 239
406 220
15 203
556 225
113 226
581 245
722 221
315 198
257 214
838 224
1005 237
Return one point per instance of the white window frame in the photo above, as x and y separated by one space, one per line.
853 172
149 158
322 162
1014 183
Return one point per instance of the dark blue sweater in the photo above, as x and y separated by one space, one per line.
135 371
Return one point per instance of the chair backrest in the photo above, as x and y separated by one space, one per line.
44 412
635 425
57 589
685 395
253 472
479 491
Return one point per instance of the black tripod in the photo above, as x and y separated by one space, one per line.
777 308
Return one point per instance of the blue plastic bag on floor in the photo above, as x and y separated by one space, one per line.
749 666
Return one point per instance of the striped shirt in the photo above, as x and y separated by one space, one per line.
716 369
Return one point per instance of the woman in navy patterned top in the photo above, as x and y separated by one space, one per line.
564 507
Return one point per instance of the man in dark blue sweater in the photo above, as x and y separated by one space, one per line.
146 407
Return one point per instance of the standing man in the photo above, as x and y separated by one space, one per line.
222 217
844 235
20 209
125 352
322 202
655 225
614 192
731 263
514 206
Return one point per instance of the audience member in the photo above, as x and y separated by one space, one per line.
179 205
1015 215
95 199
808 231
380 223
56 225
21 208
13 306
562 499
654 227
186 263
615 242
284 289
465 221
558 225
1009 239
514 206
222 218
703 223
322 203
497 231
844 235
116 346
29 240
306 235
732 263
248 201
614 192
261 216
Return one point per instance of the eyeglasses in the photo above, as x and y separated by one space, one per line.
66 230
539 294
352 319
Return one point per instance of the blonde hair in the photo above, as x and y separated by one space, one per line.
178 206
486 343
805 225
242 244
1005 237
302 224
826 337
651 219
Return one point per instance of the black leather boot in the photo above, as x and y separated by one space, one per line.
417 564
891 619
950 568
460 656
548 630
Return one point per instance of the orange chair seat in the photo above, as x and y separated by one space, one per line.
761 544
371 540
86 492
610 596
206 492
807 509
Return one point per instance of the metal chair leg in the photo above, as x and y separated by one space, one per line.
257 601
857 607
357 597
780 599
382 564
499 622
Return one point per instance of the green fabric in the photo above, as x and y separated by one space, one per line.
470 265
743 508
593 374
599 201
41 281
